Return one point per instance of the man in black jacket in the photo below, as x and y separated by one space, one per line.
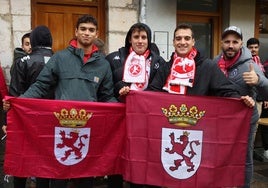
134 67
25 71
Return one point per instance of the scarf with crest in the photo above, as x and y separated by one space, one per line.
182 73
137 70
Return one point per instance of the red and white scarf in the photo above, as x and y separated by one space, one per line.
257 60
224 65
182 73
137 70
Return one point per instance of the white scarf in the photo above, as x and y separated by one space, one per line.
137 70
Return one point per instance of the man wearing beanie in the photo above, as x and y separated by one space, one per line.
25 72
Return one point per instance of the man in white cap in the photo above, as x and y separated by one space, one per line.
236 63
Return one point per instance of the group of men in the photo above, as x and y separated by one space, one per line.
82 67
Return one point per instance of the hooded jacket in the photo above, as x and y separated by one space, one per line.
117 60
74 79
25 71
242 65
18 54
235 75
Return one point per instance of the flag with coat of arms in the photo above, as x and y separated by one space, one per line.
185 141
64 139
155 138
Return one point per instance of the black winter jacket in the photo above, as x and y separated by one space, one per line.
117 61
24 72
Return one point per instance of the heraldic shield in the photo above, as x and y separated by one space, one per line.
181 152
71 144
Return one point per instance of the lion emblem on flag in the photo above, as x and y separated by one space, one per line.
181 152
71 144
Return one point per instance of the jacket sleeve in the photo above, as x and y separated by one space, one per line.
18 81
44 82
160 77
106 89
219 83
262 85
3 86
117 67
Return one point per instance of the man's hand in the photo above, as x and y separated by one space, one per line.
251 77
124 90
4 129
6 105
249 101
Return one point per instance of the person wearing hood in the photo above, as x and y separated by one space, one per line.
134 67
139 52
237 64
24 73
26 70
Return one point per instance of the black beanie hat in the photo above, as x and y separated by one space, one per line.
41 36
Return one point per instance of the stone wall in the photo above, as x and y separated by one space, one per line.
122 14
15 20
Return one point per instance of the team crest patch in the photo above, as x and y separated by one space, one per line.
71 138
233 73
181 152
135 69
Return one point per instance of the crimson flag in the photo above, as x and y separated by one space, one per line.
64 139
185 141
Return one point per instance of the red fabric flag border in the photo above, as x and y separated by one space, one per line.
218 139
31 146
139 139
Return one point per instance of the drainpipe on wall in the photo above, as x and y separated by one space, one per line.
142 17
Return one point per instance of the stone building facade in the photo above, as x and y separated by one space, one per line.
160 15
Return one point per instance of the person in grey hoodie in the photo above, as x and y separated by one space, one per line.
236 63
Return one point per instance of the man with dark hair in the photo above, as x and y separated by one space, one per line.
253 44
79 72
139 54
25 71
236 63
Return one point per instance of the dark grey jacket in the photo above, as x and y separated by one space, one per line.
73 79
235 75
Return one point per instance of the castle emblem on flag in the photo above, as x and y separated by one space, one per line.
71 138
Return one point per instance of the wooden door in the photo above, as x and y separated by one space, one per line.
206 30
61 16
